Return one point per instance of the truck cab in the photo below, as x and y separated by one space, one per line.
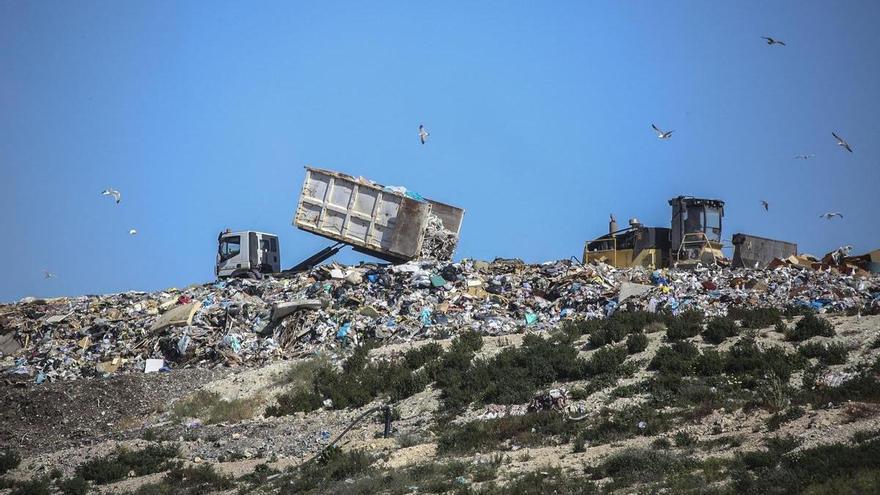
247 254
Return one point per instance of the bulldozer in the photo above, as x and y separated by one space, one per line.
693 237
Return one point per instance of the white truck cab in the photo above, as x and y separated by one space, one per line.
247 254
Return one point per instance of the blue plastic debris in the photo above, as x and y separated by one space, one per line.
343 330
531 319
426 317
233 341
610 308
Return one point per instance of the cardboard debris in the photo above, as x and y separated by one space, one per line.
284 309
181 315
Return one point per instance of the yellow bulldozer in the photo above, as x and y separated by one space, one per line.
693 237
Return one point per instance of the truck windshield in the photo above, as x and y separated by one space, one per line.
229 247
713 224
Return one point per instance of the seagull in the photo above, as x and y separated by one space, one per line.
771 41
804 157
662 134
48 274
112 192
132 232
766 205
842 142
423 134
830 215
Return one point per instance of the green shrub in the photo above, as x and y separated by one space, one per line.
420 356
756 317
640 466
546 481
775 421
36 486
534 429
830 354
625 423
810 326
195 480
298 401
750 362
684 439
114 467
636 342
808 470
212 408
709 363
74 486
332 465
9 460
719 329
686 325
606 361
676 359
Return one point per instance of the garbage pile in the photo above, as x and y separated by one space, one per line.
250 322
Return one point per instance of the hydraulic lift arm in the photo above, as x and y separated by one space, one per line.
311 261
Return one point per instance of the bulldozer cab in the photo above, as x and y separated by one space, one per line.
696 230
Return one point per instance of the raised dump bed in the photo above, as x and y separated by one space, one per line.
384 222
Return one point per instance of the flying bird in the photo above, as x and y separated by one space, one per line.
112 192
842 142
804 157
662 134
48 274
830 215
423 134
766 205
132 232
771 41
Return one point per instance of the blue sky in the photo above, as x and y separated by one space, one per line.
204 113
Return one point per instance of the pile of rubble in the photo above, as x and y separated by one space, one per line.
250 322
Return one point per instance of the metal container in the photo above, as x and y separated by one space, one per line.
757 252
372 218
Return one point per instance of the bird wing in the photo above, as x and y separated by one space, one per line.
838 138
656 129
117 196
767 38
781 43
846 145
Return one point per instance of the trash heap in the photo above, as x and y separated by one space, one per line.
250 322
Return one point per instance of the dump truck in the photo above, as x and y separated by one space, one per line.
693 237
389 223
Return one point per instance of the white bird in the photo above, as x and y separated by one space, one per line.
766 205
830 215
423 134
804 157
662 134
842 142
48 274
771 41
112 192
132 232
